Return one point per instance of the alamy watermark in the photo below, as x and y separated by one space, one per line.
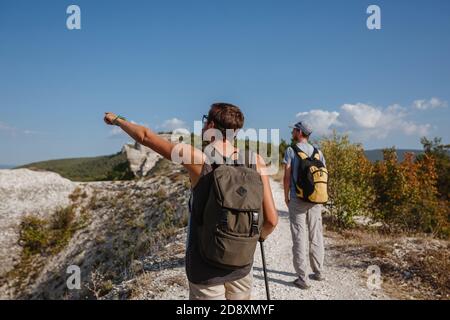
73 21
257 140
374 280
374 20
74 280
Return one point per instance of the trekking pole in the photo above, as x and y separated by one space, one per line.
264 269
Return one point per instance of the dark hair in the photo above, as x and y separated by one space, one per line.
302 133
226 116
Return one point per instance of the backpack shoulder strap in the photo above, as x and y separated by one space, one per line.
316 154
299 152
226 160
245 158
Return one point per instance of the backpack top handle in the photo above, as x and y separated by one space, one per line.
236 162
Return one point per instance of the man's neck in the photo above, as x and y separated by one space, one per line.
302 140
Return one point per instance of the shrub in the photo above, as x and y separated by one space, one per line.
47 236
407 197
349 170
441 155
34 236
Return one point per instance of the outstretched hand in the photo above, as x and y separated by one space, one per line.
109 118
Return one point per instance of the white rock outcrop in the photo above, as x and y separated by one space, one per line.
141 158
25 191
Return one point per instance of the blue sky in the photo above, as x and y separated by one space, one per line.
162 63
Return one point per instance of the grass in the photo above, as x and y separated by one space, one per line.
103 168
77 194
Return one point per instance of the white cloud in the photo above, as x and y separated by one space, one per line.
31 132
411 128
322 121
6 128
429 104
361 115
172 124
364 121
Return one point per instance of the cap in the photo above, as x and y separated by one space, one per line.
304 127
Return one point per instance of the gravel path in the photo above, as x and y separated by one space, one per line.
345 276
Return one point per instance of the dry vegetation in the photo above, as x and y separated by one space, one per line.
411 267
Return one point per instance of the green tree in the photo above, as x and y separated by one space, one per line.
350 174
441 154
282 149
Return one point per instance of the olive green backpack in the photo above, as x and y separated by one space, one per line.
232 218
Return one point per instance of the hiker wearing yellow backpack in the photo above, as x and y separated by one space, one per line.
305 192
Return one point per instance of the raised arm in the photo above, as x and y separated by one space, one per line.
143 135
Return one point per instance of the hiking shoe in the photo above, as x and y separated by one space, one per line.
317 277
301 284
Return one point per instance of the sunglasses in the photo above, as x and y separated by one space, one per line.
204 119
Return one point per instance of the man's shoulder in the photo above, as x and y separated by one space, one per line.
289 149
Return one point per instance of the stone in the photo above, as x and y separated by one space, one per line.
141 158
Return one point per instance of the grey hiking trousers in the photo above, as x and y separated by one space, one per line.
306 219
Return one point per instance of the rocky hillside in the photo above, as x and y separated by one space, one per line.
23 192
49 223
